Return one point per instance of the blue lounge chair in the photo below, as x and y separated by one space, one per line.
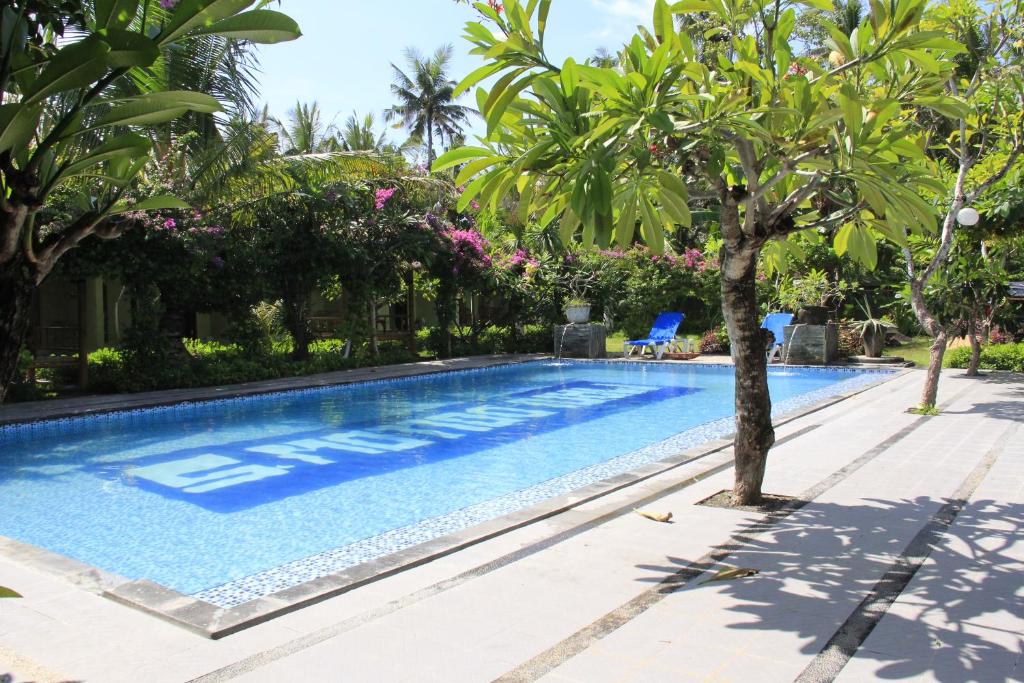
776 324
661 339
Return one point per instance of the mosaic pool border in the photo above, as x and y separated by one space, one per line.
240 591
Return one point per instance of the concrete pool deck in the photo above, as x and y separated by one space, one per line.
600 593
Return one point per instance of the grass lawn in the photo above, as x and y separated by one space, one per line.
613 343
916 350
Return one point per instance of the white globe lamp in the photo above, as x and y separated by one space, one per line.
968 217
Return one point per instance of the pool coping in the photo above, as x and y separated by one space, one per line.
214 622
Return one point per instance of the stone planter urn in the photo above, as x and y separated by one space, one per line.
577 313
874 343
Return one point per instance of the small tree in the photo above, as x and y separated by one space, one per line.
985 95
774 144
76 112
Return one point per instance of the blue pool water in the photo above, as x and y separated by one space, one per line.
239 498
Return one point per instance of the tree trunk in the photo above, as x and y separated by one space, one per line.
754 432
972 335
17 284
937 332
172 329
297 322
929 395
374 347
430 143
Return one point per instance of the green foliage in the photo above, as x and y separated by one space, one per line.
209 364
21 389
1008 357
85 101
813 288
492 340
798 144
926 411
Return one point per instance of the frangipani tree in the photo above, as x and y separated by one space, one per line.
984 145
773 143
78 111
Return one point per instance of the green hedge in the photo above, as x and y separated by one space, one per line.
533 339
1008 357
213 363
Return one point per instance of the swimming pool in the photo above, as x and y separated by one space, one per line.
240 498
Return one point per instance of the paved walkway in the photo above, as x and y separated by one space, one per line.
904 564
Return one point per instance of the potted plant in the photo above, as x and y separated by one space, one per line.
809 296
578 281
872 331
577 310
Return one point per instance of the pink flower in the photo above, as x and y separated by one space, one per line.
694 258
795 70
170 224
168 4
382 196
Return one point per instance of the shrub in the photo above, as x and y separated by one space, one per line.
491 340
998 336
715 341
212 363
1009 357
22 389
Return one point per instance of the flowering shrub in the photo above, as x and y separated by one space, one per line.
999 336
382 196
468 252
638 285
715 341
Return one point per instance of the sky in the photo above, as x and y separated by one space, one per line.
343 60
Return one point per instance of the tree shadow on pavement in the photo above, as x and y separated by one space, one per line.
960 619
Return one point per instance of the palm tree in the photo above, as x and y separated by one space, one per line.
358 135
426 99
305 131
603 59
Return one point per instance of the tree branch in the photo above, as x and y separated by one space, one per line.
825 222
788 168
997 176
795 198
